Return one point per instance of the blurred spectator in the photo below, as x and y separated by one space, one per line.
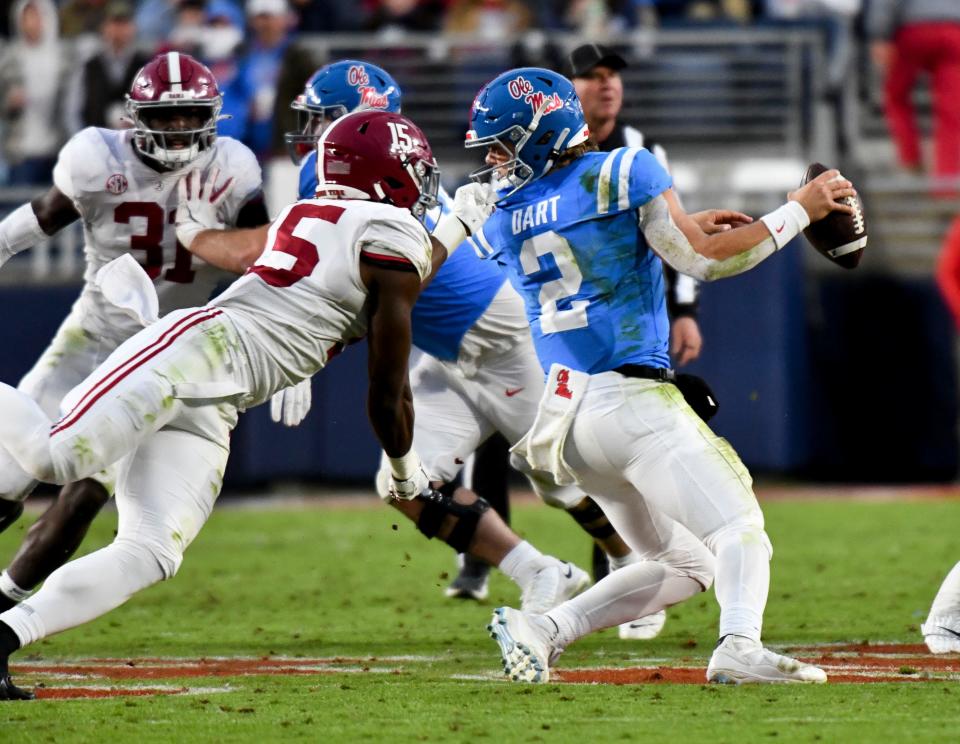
837 16
270 24
188 27
97 96
394 17
222 35
910 37
80 17
156 20
32 73
488 19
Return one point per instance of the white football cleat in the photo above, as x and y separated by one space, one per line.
553 584
524 649
738 660
941 633
644 628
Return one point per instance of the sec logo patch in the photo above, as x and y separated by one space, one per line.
117 183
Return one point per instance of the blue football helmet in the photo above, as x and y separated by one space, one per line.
533 115
335 90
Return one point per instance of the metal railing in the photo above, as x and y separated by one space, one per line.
705 93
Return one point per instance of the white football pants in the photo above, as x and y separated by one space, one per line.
164 402
669 486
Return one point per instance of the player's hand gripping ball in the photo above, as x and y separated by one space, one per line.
839 236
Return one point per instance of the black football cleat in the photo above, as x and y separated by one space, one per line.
9 691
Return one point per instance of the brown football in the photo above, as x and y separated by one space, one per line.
838 236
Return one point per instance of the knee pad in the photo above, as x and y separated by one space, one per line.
592 519
440 505
744 532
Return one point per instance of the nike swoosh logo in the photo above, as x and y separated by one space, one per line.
511 393
950 631
780 229
569 574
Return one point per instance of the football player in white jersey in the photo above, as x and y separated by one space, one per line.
346 264
122 185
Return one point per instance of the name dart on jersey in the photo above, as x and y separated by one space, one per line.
534 215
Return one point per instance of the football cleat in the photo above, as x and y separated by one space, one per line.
737 660
553 584
9 691
471 582
942 634
524 650
644 628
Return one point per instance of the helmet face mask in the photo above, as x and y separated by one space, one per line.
174 135
334 91
174 104
531 113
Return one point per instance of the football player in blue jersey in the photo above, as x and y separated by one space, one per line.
581 236
474 370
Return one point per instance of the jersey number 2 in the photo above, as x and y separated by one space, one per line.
553 320
291 257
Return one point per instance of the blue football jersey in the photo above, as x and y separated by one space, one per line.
571 246
449 306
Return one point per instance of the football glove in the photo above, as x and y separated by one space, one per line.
291 405
198 201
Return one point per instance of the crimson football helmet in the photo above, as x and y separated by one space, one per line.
378 155
174 103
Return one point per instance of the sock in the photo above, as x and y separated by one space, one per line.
626 560
10 590
522 563
742 582
947 601
634 591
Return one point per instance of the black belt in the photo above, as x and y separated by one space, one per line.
645 372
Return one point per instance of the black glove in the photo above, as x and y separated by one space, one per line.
698 395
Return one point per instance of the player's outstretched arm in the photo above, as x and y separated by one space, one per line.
680 241
389 399
200 230
31 223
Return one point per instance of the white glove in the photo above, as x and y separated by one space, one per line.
390 487
472 206
291 405
198 201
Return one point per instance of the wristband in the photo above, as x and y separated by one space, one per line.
450 232
786 222
405 466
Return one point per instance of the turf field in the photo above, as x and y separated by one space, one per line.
327 622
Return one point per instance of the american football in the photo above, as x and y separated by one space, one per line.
838 236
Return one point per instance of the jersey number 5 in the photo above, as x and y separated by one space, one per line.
553 320
292 257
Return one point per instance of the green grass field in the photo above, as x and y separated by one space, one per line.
342 583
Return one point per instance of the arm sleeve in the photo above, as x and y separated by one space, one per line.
398 244
669 242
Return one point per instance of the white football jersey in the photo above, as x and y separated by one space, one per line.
128 207
304 299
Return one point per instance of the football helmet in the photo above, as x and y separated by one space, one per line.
381 156
174 103
333 91
532 115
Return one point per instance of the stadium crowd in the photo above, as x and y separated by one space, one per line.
66 65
